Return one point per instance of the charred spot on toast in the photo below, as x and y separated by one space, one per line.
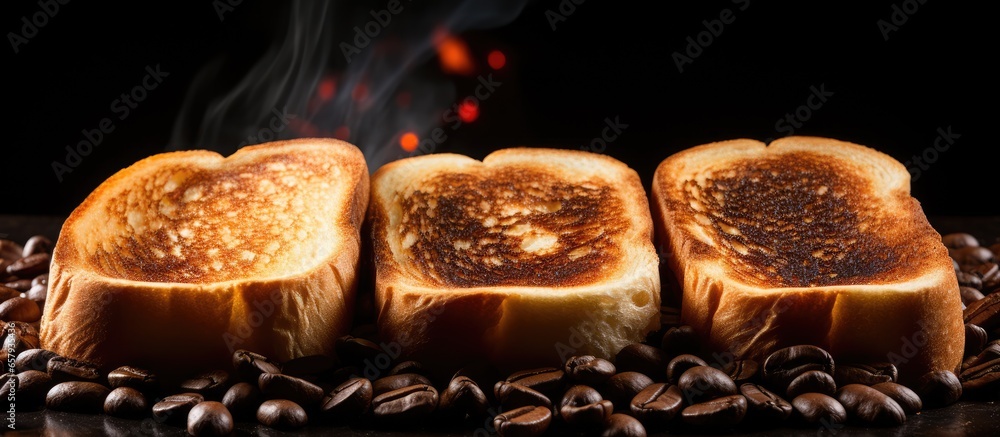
511 227
198 225
796 220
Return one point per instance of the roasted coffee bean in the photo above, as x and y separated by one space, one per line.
969 280
864 373
243 399
959 240
34 359
38 293
983 378
125 402
463 397
813 381
208 384
679 341
396 382
716 413
939 388
484 374
8 293
986 271
20 309
66 369
588 370
282 414
355 350
818 408
680 364
405 405
989 353
995 248
970 258
20 285
30 266
870 406
29 389
294 389
37 244
409 367
906 398
42 279
18 337
954 264
139 379
785 364
623 425
175 408
10 250
546 380
210 419
77 397
309 365
970 295
582 407
348 401
657 404
984 312
342 374
511 395
975 339
621 388
528 421
703 383
742 371
764 405
250 365
642 358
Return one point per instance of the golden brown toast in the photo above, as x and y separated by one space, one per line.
807 241
183 257
517 259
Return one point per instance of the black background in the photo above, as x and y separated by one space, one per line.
607 59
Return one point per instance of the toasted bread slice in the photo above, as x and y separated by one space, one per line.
183 257
807 241
523 259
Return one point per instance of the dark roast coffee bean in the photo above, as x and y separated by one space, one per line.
870 406
20 309
716 413
582 407
511 395
528 421
209 384
975 339
621 388
249 365
38 293
405 405
29 389
484 374
395 382
30 266
282 414
175 408
34 359
970 295
210 419
139 379
42 279
37 244
984 312
77 397
785 364
8 293
243 399
969 280
813 381
348 401
20 285
309 365
680 364
959 240
983 378
989 353
864 373
642 358
971 257
125 402
355 350
10 250
742 371
623 425
819 409
679 341
657 404
408 367
764 405
906 398
66 369
939 388
463 397
546 380
291 388
18 337
588 370
704 383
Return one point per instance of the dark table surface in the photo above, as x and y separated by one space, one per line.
966 418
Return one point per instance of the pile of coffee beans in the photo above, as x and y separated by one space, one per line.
24 279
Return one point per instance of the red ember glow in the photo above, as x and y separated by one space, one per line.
496 59
454 55
327 87
468 111
409 141
343 133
